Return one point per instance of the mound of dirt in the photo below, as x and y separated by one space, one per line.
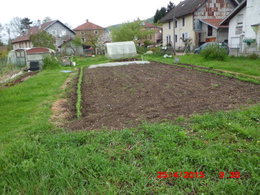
123 97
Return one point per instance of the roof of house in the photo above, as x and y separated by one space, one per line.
186 7
149 25
35 29
37 50
88 26
234 12
215 23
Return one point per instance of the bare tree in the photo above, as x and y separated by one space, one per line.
15 27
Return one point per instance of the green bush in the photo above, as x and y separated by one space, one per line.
141 49
51 62
214 52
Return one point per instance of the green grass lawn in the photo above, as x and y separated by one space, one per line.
38 158
241 65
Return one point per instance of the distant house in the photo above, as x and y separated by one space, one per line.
56 28
92 35
84 31
154 38
197 20
244 28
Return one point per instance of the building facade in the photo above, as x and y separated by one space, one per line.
56 28
198 21
244 28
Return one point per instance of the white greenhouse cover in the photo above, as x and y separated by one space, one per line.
120 50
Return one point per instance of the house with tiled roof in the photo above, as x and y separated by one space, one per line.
56 28
244 28
84 31
92 36
196 20
154 38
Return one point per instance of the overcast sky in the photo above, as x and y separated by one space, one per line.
75 12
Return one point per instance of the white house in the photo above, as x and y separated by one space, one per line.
198 21
56 28
244 28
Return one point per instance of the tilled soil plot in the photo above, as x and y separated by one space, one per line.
123 97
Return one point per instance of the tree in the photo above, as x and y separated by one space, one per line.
132 31
43 39
15 27
156 16
25 24
170 7
159 14
46 19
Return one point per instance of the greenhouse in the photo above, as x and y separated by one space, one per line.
120 50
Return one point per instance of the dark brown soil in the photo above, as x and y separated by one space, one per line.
123 97
20 79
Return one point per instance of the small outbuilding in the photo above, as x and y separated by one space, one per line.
30 57
120 50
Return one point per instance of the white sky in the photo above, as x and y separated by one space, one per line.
75 12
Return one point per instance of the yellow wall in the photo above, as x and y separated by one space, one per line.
187 28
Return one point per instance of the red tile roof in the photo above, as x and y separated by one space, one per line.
149 25
213 22
31 31
38 50
88 26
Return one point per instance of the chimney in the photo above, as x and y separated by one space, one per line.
86 20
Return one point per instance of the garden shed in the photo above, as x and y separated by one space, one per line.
120 50
32 58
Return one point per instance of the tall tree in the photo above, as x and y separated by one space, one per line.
156 16
43 39
160 14
25 24
170 6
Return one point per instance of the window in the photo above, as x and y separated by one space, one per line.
185 36
176 23
183 21
176 38
239 30
169 24
96 32
82 33
210 30
54 32
63 32
239 27
240 19
167 40
170 41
